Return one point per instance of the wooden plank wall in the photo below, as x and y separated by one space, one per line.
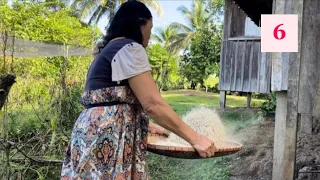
234 20
244 68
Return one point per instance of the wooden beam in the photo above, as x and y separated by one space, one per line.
249 99
285 141
310 65
279 136
244 39
306 122
223 100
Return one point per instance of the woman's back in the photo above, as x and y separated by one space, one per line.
100 72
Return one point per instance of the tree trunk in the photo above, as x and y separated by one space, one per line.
164 72
202 83
193 85
64 75
12 52
4 49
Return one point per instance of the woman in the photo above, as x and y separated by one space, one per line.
109 139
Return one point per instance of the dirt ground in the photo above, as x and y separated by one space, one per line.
254 162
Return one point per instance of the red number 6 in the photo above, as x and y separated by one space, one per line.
276 30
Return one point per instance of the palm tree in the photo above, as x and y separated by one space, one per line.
172 40
96 9
197 17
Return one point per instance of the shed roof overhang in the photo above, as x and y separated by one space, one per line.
254 8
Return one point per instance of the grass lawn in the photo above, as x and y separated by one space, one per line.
183 100
163 168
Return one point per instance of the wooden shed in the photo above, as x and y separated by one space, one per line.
295 76
243 68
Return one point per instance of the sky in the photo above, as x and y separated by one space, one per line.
170 14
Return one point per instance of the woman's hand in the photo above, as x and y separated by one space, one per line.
204 146
156 129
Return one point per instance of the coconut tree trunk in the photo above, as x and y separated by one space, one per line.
164 73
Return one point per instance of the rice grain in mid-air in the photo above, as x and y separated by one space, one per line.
203 120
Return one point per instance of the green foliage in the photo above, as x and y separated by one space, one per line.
261 96
24 123
211 84
269 106
44 102
158 58
203 57
172 40
34 21
215 8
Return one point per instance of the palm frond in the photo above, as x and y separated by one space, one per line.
110 7
155 5
95 15
157 38
181 40
103 12
181 27
159 31
186 13
74 5
199 13
87 8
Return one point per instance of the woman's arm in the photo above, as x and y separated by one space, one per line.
156 129
147 93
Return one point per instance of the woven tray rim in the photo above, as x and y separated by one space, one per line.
237 147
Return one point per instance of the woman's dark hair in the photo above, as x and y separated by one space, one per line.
127 22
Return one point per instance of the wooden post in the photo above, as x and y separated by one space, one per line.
279 136
285 139
223 99
306 123
249 99
309 66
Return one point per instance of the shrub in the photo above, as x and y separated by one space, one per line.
269 106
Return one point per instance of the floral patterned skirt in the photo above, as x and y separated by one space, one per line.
108 143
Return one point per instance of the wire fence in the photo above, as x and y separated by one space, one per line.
26 48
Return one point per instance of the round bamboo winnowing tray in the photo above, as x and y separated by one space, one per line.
188 152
